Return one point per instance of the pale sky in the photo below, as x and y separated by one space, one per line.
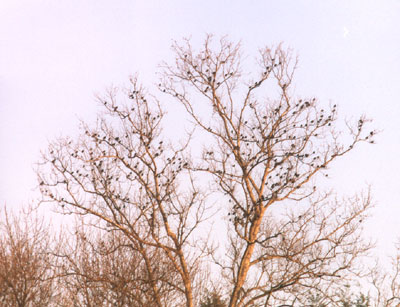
55 55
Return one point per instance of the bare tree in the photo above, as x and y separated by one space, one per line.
385 283
105 269
263 152
126 177
123 176
26 264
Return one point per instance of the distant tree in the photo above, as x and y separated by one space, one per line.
263 158
26 265
316 301
362 301
341 299
213 299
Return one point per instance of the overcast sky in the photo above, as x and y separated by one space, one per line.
55 55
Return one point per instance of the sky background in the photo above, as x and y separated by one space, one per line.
56 55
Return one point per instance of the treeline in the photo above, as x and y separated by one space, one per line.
42 266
